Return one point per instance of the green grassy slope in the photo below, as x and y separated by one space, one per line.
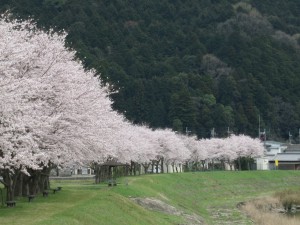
212 195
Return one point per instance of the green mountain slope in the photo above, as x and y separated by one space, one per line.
193 65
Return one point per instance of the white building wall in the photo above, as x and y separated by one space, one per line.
262 164
167 169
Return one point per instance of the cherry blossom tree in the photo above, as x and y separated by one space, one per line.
130 145
52 111
199 150
173 150
245 146
226 150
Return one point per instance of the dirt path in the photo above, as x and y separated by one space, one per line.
160 206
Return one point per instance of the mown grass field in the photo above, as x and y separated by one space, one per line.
212 195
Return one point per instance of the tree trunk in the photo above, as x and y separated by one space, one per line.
34 180
146 167
43 181
19 186
127 167
223 164
152 167
97 173
132 168
110 172
248 163
186 167
139 168
25 185
10 182
203 164
162 165
156 166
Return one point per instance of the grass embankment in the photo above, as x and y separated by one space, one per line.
212 195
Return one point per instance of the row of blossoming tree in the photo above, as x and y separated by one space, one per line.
54 113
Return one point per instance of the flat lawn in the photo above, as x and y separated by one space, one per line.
211 195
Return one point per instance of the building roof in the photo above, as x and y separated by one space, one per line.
293 148
287 157
273 143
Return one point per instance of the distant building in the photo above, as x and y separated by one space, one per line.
272 148
289 159
286 155
75 170
82 170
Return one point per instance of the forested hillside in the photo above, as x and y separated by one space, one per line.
193 64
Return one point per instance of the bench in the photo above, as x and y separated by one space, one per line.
56 189
45 193
112 182
11 203
30 197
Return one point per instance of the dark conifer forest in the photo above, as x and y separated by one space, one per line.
190 65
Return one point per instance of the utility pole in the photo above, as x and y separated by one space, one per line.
261 135
258 125
228 132
187 131
290 137
213 132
